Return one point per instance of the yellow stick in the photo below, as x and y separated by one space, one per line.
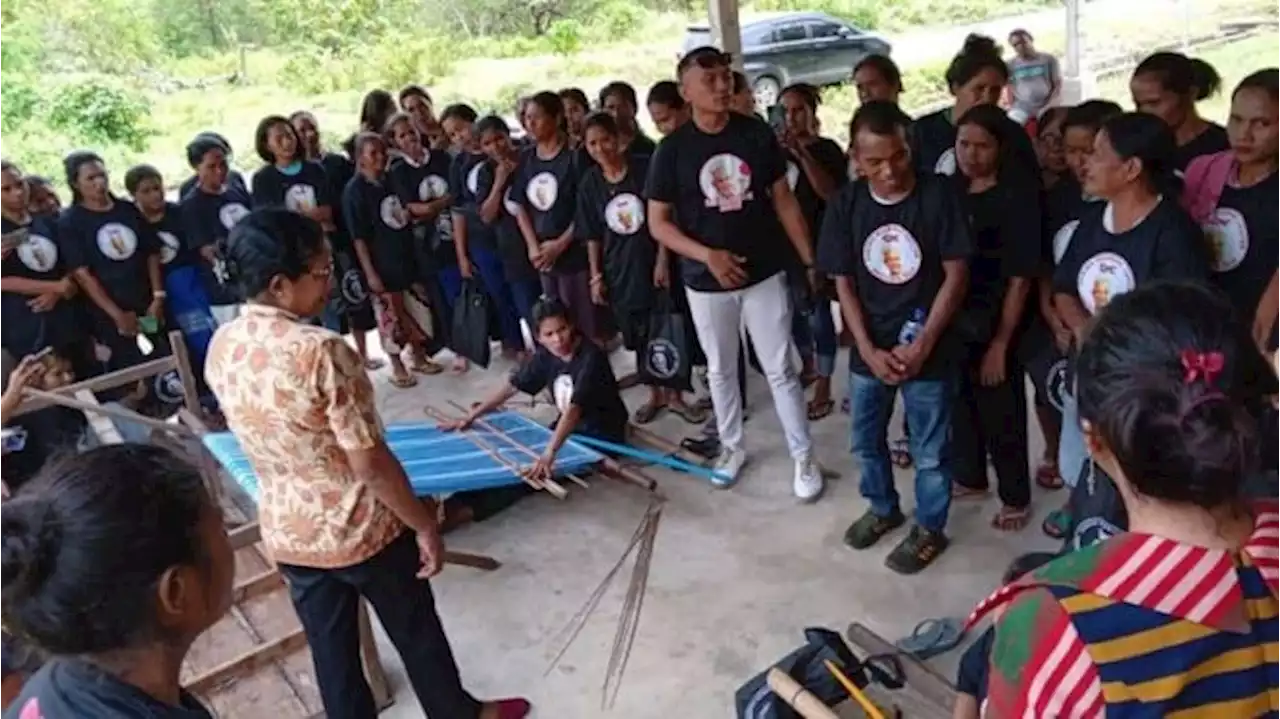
867 706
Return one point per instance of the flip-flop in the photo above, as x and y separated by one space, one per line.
959 491
820 410
690 414
1047 477
647 412
1058 524
427 367
932 637
1011 519
900 453
373 364
404 382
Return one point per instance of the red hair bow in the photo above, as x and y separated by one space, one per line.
1201 365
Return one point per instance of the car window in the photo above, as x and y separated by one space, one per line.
755 36
789 33
821 30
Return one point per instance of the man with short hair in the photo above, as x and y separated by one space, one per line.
1034 78
719 198
897 244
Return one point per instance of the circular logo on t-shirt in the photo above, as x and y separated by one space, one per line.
168 247
661 359
392 212
793 175
1228 238
891 254
1055 384
542 191
624 214
432 187
473 178
117 241
946 164
725 180
1102 278
300 197
38 253
231 213
1093 530
168 387
562 391
352 288
1062 240
511 206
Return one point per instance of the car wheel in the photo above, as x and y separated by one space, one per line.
766 90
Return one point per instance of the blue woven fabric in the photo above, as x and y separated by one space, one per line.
442 462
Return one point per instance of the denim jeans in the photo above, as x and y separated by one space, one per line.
814 331
1072 454
927 404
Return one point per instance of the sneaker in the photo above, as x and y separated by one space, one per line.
808 483
917 551
728 465
870 527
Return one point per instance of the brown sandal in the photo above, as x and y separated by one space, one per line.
1011 519
820 410
403 381
959 491
689 413
1048 477
427 367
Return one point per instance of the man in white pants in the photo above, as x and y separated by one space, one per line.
718 197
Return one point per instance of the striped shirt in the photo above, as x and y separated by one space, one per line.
1141 626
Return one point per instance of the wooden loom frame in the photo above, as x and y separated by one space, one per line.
80 396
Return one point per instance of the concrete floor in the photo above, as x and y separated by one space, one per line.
736 575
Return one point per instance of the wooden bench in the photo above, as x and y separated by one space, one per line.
926 694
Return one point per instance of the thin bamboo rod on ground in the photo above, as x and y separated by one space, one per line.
489 427
552 488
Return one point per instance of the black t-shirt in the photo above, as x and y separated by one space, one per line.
832 160
376 215
189 184
721 190
894 255
208 216
176 249
464 174
614 215
424 182
1243 240
933 145
641 147
114 246
1005 225
548 191
1100 265
75 689
339 171
1064 204
309 187
39 257
1212 139
586 380
510 242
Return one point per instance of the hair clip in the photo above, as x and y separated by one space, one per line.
1201 365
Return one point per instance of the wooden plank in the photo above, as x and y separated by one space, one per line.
373 672
245 536
937 695
248 662
182 360
475 561
797 697
257 585
80 402
107 381
101 424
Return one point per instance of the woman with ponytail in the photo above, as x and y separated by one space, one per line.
1168 85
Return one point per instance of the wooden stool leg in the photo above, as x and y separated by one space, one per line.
373 672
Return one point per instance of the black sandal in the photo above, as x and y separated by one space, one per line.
647 412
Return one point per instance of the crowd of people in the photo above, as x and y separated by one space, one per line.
1123 262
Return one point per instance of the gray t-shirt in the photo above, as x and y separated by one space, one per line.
1032 81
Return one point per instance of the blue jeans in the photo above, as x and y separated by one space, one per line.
927 404
489 267
1072 454
814 331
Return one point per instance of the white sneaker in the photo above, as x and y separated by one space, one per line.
808 484
728 465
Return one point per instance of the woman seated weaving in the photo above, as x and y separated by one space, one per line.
336 510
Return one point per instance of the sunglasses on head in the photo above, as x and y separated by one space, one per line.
707 58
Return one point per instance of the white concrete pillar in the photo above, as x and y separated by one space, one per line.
1076 80
726 33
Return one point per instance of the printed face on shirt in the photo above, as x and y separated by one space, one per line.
624 214
1228 236
1102 278
725 180
116 241
1062 239
169 247
300 198
543 190
473 178
432 187
231 213
892 255
511 206
562 390
38 253
392 212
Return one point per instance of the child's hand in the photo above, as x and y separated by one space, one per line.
541 469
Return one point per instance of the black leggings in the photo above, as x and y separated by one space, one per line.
992 421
